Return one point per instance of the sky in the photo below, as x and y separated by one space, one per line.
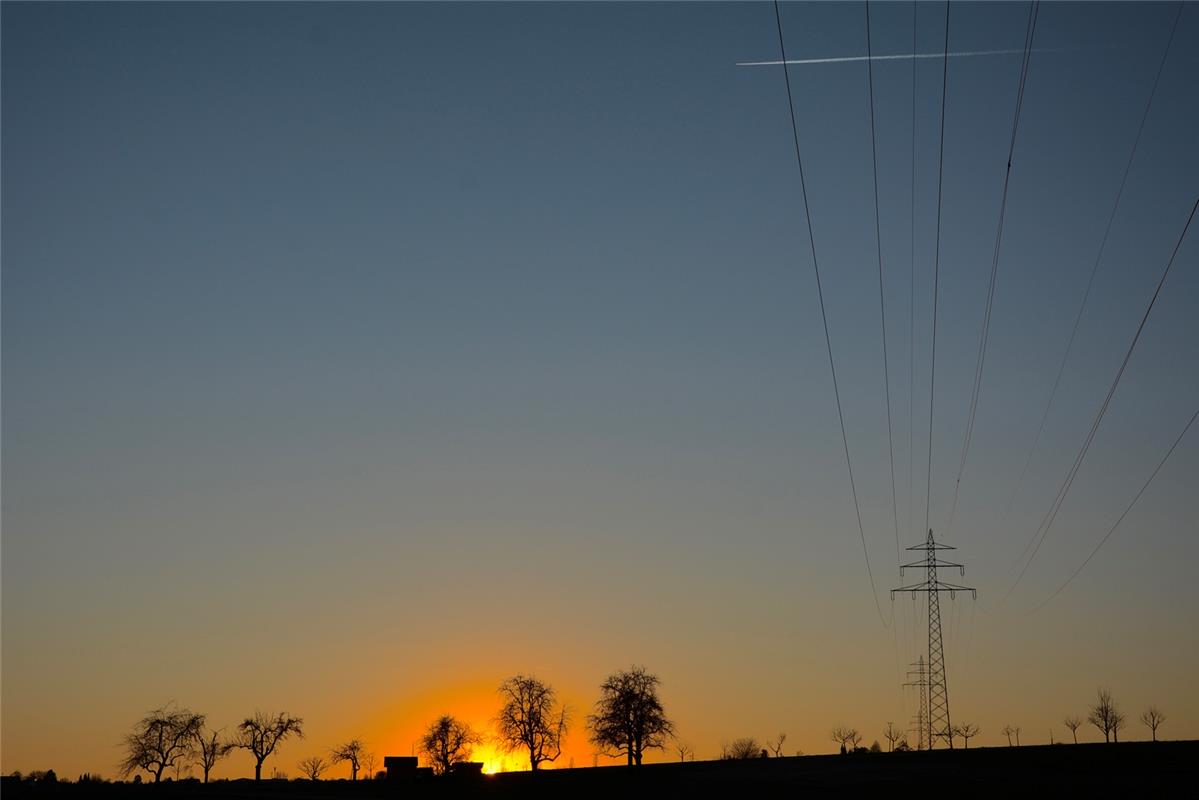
357 357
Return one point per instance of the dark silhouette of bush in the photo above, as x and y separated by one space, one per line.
742 748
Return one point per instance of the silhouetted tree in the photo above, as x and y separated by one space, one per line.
629 718
1117 725
368 764
892 735
744 747
1073 723
1016 730
1104 714
1007 731
776 744
966 730
683 749
312 767
847 737
212 749
262 733
1151 719
531 719
166 737
447 742
352 752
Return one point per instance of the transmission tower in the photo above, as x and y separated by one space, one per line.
938 688
920 674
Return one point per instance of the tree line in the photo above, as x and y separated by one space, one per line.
628 720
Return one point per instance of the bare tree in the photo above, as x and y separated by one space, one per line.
892 735
629 718
1073 723
212 748
848 738
683 749
966 730
1103 715
1016 730
776 744
1118 720
312 767
448 741
1152 718
369 761
741 748
352 752
166 737
262 733
1007 731
531 719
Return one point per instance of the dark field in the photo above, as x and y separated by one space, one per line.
1136 768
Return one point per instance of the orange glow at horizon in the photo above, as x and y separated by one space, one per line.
397 729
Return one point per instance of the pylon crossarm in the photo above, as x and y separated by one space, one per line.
953 587
933 546
934 562
915 587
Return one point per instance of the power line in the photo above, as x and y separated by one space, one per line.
1112 530
1030 32
912 299
882 303
932 380
1095 267
1047 523
824 316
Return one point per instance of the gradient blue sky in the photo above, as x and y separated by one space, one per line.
491 330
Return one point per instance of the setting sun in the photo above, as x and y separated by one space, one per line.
495 760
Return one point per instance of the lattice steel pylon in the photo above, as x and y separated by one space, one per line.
939 726
921 721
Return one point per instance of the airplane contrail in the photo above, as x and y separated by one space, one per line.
895 57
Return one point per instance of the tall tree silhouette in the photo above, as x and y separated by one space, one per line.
447 742
166 737
531 719
1105 716
629 718
892 735
312 767
967 731
1152 719
352 752
847 737
262 733
212 748
1073 723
